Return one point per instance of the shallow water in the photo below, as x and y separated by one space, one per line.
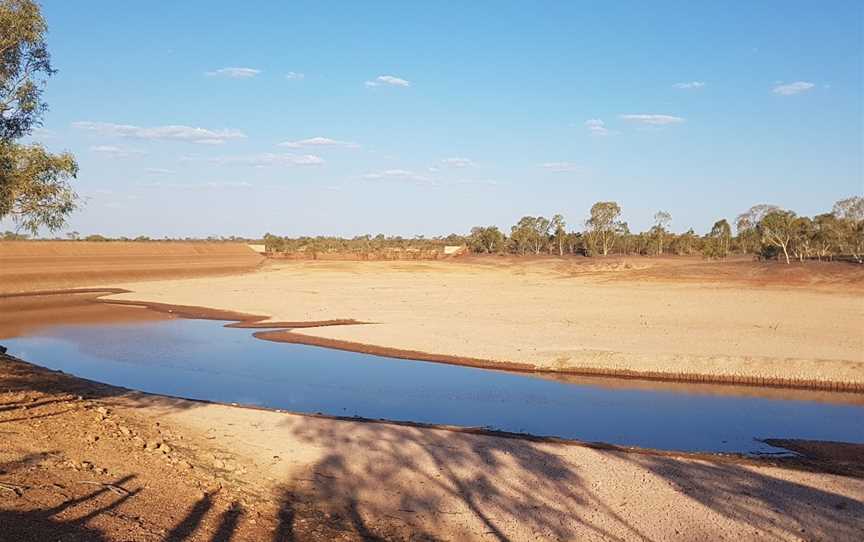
201 359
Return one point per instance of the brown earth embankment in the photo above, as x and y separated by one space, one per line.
37 265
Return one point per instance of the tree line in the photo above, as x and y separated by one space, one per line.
765 231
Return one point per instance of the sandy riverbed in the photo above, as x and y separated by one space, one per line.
652 317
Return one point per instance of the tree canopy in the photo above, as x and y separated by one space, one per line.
35 189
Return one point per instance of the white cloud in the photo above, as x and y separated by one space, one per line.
318 142
476 182
197 186
295 76
597 127
234 73
390 80
457 163
560 167
261 160
116 152
792 88
172 132
653 120
396 175
692 85
158 171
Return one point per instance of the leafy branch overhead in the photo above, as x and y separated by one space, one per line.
35 188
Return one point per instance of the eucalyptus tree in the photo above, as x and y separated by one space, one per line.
35 187
747 225
531 234
777 228
662 219
850 216
488 239
603 226
721 233
559 232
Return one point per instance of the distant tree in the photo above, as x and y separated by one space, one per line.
559 233
747 225
803 234
531 234
73 235
486 240
850 219
96 237
777 229
662 219
603 226
826 235
721 234
13 236
34 184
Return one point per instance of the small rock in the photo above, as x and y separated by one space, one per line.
125 430
165 449
102 410
86 465
93 438
139 442
219 464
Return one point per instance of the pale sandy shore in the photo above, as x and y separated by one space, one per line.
551 316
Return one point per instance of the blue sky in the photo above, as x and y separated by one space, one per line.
200 118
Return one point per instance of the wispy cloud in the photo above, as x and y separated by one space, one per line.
653 120
597 127
560 167
295 76
234 73
314 142
789 89
158 171
475 182
266 159
388 80
457 163
197 186
173 132
692 85
116 152
397 175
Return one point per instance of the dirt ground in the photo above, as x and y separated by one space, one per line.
83 461
675 318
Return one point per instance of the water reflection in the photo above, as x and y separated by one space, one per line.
201 359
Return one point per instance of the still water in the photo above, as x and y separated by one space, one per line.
201 359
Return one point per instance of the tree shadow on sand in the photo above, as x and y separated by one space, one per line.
46 523
442 485
418 480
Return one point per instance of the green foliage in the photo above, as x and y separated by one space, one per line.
777 229
487 240
34 184
531 234
604 227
